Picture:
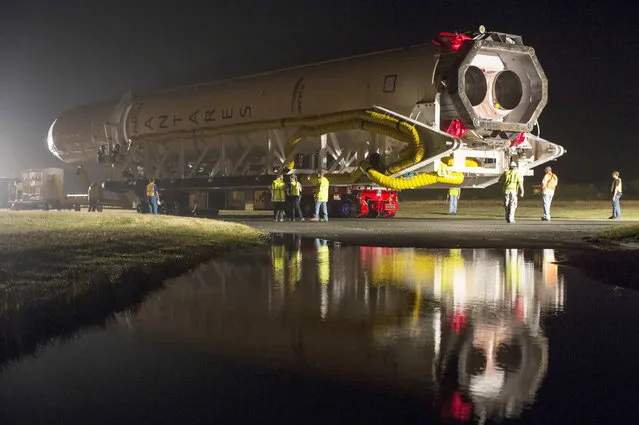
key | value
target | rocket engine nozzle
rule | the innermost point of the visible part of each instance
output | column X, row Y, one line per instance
column 497, row 85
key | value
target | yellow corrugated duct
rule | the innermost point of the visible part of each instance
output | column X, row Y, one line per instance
column 470, row 162
column 418, row 180
column 376, row 123
column 369, row 121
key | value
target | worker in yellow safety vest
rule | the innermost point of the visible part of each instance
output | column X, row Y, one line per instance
column 548, row 186
column 512, row 182
column 294, row 194
column 152, row 196
column 454, row 193
column 278, row 197
column 321, row 197
column 616, row 190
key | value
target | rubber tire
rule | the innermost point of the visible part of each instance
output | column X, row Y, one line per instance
column 346, row 209
column 372, row 213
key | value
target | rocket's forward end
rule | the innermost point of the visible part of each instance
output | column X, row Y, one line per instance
column 496, row 83
column 51, row 143
column 77, row 134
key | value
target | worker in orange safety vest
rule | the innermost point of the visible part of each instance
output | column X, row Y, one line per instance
column 153, row 196
column 548, row 186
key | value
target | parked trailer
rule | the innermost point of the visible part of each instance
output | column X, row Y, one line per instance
column 453, row 113
column 43, row 189
column 10, row 191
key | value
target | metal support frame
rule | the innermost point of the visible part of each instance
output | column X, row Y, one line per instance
column 323, row 163
column 261, row 153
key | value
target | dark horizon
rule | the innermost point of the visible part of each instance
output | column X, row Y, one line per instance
column 59, row 56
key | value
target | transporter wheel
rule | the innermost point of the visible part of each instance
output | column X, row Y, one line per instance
column 307, row 204
column 179, row 208
column 388, row 214
column 374, row 209
column 345, row 209
column 100, row 208
column 142, row 208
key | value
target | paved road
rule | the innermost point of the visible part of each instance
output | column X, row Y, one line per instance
column 443, row 233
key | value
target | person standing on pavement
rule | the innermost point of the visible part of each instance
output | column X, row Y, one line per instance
column 153, row 196
column 454, row 193
column 615, row 190
column 92, row 196
column 321, row 197
column 278, row 197
column 512, row 182
column 548, row 186
column 294, row 193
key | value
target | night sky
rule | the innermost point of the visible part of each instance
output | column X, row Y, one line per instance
column 55, row 55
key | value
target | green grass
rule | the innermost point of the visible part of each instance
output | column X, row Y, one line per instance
column 59, row 254
column 64, row 270
column 529, row 208
column 621, row 234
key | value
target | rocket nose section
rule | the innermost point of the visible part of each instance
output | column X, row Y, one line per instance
column 75, row 136
column 51, row 141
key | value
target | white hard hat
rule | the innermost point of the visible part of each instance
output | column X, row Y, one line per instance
column 512, row 164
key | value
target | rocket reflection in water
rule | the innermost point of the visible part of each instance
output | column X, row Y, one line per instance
column 490, row 354
column 486, row 324
column 461, row 324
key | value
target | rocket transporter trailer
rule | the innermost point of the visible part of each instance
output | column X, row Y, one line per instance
column 452, row 113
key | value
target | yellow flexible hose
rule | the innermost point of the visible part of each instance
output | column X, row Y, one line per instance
column 470, row 162
column 418, row 180
column 368, row 121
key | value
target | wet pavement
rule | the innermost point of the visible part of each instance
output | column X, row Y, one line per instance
column 313, row 331
column 445, row 232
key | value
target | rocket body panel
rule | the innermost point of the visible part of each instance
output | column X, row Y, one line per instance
column 396, row 80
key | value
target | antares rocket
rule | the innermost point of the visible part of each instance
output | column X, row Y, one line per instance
column 453, row 112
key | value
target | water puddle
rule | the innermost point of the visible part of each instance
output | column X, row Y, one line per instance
column 310, row 330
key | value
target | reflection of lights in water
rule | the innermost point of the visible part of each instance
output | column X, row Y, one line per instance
column 417, row 305
column 323, row 261
column 489, row 320
column 486, row 323
column 286, row 264
column 465, row 322
column 437, row 329
column 277, row 259
column 323, row 301
column 487, row 385
column 501, row 366
column 552, row 277
column 294, row 264
column 366, row 289
column 323, row 274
